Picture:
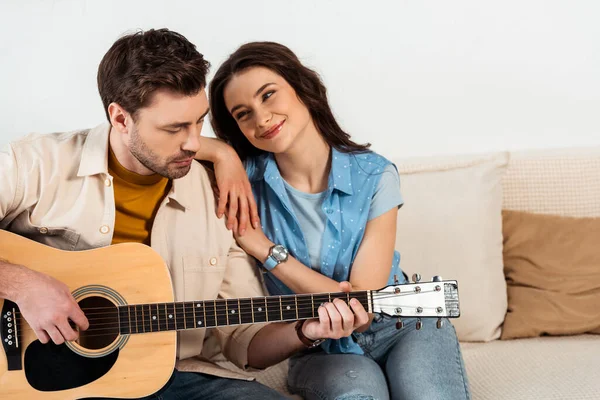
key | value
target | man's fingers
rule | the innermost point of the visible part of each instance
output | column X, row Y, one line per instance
column 66, row 331
column 42, row 336
column 55, row 335
column 80, row 319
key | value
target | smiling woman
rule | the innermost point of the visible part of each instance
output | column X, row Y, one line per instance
column 328, row 208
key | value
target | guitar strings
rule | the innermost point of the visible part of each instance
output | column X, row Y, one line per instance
column 189, row 312
column 115, row 329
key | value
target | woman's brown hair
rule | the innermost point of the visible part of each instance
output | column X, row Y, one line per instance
column 306, row 83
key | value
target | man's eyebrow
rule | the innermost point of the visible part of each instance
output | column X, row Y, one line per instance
column 175, row 125
column 260, row 89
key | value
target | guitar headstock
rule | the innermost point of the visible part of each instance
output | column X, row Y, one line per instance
column 435, row 299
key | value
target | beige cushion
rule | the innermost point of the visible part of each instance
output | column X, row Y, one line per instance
column 552, row 268
column 450, row 225
column 560, row 182
column 548, row 368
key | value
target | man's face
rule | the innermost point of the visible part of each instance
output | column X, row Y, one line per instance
column 165, row 137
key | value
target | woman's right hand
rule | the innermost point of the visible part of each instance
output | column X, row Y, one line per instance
column 236, row 200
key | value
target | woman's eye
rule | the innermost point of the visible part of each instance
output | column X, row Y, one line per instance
column 241, row 115
column 268, row 95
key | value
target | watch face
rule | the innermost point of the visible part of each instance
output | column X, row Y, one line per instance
column 280, row 253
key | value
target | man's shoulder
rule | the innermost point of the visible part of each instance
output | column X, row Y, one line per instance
column 38, row 145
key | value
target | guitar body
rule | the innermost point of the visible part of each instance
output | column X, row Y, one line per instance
column 112, row 365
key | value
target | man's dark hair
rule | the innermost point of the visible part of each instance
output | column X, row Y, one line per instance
column 141, row 63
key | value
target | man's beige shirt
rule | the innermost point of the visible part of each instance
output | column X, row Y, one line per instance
column 56, row 190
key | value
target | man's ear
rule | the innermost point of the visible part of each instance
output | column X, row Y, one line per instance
column 119, row 118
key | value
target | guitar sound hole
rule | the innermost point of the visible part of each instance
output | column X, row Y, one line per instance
column 103, row 317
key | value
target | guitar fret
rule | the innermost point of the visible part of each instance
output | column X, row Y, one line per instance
column 162, row 317
column 305, row 307
column 189, row 315
column 296, row 301
column 274, row 312
column 179, row 316
column 155, row 326
column 129, row 315
column 146, row 317
column 210, row 314
column 170, row 312
column 233, row 311
column 259, row 311
column 289, row 310
column 246, row 311
column 194, row 313
column 138, row 318
column 221, row 312
column 199, row 315
column 124, row 326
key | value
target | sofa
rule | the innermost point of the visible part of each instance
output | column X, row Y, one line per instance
column 451, row 225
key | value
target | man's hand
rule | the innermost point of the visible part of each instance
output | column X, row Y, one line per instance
column 47, row 305
column 235, row 192
column 337, row 319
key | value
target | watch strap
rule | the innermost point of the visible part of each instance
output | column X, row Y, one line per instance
column 306, row 341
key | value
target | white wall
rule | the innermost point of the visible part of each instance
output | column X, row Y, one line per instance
column 412, row 77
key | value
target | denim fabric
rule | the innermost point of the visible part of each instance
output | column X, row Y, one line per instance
column 353, row 181
column 197, row 386
column 405, row 364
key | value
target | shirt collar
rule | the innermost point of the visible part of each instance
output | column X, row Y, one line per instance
column 94, row 160
column 94, row 156
column 340, row 176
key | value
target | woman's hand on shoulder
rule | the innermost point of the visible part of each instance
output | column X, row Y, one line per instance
column 235, row 198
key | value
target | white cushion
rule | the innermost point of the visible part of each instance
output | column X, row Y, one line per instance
column 549, row 368
column 559, row 181
column 451, row 225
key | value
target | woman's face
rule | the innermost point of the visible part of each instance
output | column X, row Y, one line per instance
column 267, row 109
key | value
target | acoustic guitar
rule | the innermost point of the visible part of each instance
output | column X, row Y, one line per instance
column 129, row 349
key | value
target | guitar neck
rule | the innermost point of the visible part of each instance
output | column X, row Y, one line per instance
column 158, row 317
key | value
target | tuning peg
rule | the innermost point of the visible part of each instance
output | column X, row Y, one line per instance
column 436, row 278
column 439, row 323
column 399, row 324
column 416, row 278
column 419, row 324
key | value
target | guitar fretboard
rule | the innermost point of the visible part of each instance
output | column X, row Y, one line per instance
column 157, row 317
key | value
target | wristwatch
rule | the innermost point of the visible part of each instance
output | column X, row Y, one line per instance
column 277, row 255
column 311, row 344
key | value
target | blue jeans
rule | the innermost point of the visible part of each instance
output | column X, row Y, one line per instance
column 196, row 386
column 405, row 364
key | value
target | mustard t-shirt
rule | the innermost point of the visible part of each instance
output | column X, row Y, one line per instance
column 137, row 198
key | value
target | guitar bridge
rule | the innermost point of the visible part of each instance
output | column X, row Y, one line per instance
column 10, row 336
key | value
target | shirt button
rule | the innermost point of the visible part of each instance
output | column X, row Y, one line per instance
column 43, row 230
column 213, row 261
column 104, row 229
column 329, row 211
column 107, row 182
